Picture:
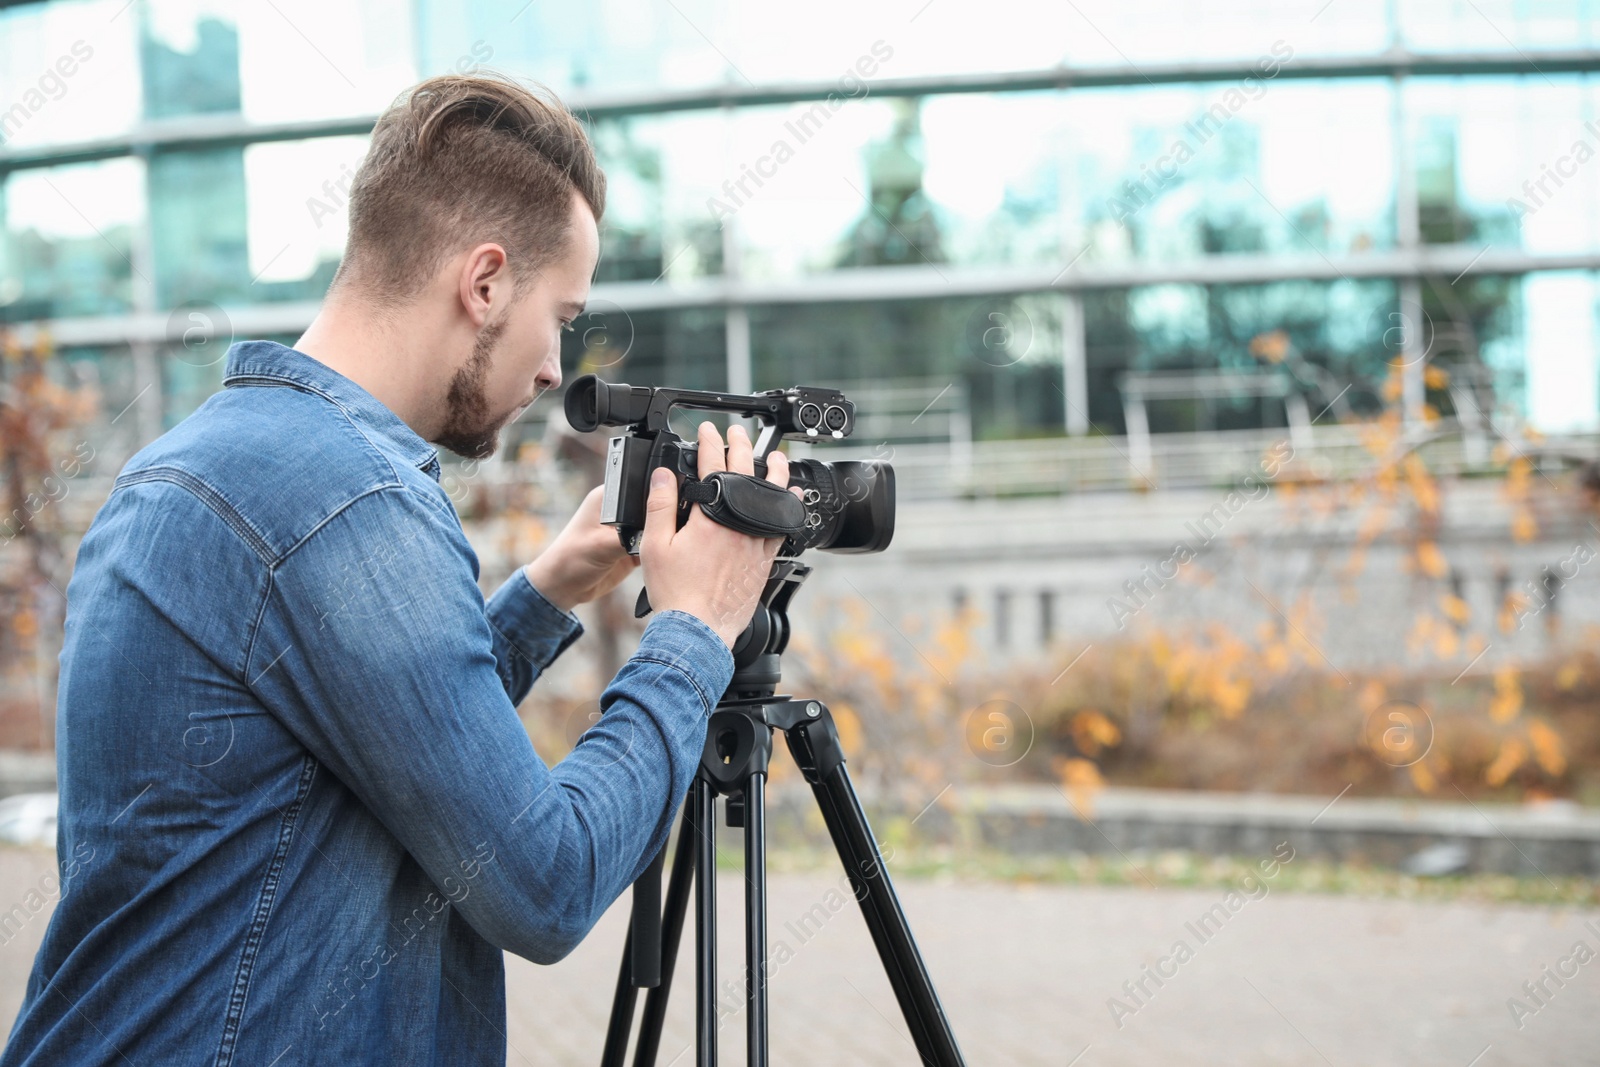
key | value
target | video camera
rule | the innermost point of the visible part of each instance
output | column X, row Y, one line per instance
column 845, row 507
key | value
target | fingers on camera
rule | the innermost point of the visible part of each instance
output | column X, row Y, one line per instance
column 710, row 442
column 741, row 454
column 777, row 468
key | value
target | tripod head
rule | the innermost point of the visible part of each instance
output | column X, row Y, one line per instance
column 756, row 653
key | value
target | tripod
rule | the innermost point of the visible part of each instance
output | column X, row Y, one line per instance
column 737, row 752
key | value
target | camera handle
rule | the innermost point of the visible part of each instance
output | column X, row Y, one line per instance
column 740, row 502
column 746, row 503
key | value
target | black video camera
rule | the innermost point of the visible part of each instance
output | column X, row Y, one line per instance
column 848, row 506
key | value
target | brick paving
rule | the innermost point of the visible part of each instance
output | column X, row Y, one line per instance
column 1026, row 973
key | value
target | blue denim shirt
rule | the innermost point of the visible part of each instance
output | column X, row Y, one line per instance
column 300, row 818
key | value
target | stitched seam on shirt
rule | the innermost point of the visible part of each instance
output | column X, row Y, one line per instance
column 446, row 510
column 206, row 495
column 305, row 387
column 509, row 683
column 673, row 665
column 258, row 925
column 255, row 629
column 334, row 514
column 507, row 671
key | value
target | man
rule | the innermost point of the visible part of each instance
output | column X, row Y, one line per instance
column 300, row 819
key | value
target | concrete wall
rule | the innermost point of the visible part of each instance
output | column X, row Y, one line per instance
column 1081, row 551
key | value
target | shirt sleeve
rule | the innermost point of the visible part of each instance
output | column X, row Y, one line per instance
column 529, row 633
column 385, row 663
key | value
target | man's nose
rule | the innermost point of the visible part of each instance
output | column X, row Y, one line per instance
column 550, row 375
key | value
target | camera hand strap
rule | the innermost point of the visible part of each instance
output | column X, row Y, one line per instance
column 741, row 502
column 746, row 503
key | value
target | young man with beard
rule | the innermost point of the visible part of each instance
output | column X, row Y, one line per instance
column 303, row 817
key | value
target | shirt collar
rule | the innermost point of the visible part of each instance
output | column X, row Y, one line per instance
column 270, row 363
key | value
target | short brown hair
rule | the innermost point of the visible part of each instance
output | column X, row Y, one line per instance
column 461, row 159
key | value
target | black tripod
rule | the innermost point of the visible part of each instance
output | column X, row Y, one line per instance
column 738, row 749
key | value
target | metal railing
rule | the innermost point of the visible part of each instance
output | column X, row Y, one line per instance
column 1050, row 466
column 986, row 470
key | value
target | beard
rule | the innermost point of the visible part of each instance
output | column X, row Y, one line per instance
column 469, row 430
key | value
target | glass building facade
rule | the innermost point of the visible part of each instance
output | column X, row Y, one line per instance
column 1004, row 218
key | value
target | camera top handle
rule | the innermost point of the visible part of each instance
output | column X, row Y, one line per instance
column 804, row 411
column 592, row 403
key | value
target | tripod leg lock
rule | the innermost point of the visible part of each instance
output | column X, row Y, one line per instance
column 814, row 744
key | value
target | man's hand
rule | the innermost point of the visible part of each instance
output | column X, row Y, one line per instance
column 710, row 571
column 585, row 560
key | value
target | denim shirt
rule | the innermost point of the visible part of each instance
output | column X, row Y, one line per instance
column 300, row 819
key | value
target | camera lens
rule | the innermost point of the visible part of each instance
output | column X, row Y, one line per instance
column 810, row 416
column 834, row 417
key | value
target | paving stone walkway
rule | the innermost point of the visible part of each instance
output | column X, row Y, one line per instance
column 1027, row 972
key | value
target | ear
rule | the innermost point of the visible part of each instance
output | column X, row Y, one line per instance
column 485, row 281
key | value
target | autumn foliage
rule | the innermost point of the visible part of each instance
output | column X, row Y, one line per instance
column 1209, row 706
column 43, row 449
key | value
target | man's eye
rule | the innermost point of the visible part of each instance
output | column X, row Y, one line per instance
column 567, row 327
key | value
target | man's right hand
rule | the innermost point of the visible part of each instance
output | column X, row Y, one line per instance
column 710, row 571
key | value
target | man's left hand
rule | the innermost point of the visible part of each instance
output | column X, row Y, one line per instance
column 584, row 562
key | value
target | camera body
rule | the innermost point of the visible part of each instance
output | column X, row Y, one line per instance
column 849, row 505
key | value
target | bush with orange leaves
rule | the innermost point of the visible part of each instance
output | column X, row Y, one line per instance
column 39, row 421
column 915, row 708
column 1206, row 707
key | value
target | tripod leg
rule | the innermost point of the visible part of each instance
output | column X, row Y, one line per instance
column 644, row 953
column 641, row 960
column 655, row 1001
column 755, row 920
column 891, row 933
column 705, row 916
column 622, row 1005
